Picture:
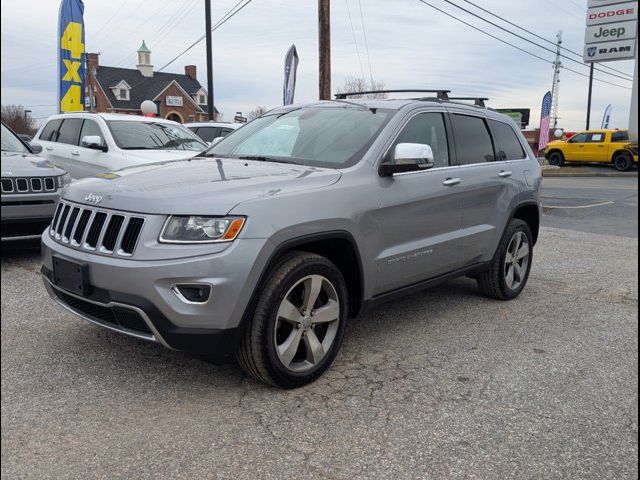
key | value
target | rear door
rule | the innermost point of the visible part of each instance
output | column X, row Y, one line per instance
column 419, row 216
column 595, row 148
column 48, row 137
column 66, row 143
column 488, row 181
column 89, row 161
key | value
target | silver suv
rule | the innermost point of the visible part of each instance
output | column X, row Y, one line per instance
column 262, row 248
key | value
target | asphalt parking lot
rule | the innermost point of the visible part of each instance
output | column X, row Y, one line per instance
column 442, row 384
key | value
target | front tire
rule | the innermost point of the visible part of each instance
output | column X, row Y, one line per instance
column 509, row 270
column 298, row 323
column 556, row 159
column 623, row 162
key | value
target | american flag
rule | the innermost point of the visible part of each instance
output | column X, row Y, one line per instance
column 545, row 120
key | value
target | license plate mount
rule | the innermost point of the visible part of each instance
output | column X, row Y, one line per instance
column 71, row 276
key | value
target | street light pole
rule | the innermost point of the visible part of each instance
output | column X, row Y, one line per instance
column 589, row 96
column 210, row 105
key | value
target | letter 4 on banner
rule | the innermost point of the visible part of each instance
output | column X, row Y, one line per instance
column 71, row 56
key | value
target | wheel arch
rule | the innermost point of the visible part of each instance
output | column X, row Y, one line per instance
column 530, row 213
column 554, row 150
column 619, row 151
column 338, row 246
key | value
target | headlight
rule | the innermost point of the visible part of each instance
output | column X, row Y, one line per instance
column 64, row 180
column 192, row 229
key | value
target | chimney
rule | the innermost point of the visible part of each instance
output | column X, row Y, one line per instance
column 190, row 71
column 93, row 62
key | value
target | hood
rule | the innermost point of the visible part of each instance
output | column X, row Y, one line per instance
column 15, row 164
column 154, row 156
column 201, row 186
column 556, row 142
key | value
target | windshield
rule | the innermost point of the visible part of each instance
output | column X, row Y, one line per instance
column 11, row 143
column 130, row 135
column 317, row 136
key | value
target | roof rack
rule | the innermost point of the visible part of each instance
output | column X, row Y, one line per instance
column 441, row 94
column 477, row 101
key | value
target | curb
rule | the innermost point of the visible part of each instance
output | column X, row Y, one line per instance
column 551, row 173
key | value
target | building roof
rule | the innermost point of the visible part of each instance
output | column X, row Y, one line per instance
column 142, row 88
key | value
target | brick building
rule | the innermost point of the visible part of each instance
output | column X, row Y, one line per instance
column 179, row 97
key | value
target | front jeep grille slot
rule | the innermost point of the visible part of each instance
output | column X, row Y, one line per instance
column 62, row 221
column 82, row 225
column 70, row 224
column 28, row 185
column 112, row 232
column 91, row 228
column 95, row 229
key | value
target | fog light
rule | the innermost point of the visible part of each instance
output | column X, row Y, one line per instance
column 192, row 292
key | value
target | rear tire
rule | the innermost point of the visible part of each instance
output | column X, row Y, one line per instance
column 298, row 323
column 556, row 159
column 623, row 161
column 509, row 270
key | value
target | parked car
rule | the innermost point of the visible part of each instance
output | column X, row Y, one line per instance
column 30, row 189
column 263, row 247
column 85, row 144
column 594, row 146
column 209, row 131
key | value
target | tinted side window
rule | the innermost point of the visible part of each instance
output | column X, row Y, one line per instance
column 579, row 138
column 69, row 131
column 225, row 131
column 508, row 146
column 91, row 129
column 426, row 128
column 208, row 133
column 50, row 131
column 473, row 142
column 620, row 136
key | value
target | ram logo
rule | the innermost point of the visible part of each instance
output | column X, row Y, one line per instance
column 591, row 51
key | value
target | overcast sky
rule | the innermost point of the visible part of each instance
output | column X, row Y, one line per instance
column 410, row 45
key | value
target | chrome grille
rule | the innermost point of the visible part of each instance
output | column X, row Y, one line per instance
column 28, row 185
column 90, row 228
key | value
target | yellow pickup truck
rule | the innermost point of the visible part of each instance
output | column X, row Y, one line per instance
column 602, row 146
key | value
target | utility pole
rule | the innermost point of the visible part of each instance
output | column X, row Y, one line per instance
column 589, row 96
column 210, row 106
column 324, row 44
column 557, row 64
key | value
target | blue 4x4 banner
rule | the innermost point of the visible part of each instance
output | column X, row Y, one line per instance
column 71, row 56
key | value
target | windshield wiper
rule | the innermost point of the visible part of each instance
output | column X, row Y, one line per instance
column 262, row 159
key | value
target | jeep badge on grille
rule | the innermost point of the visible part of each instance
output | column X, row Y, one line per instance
column 92, row 198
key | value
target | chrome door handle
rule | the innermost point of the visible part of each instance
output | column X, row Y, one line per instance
column 48, row 148
column 450, row 182
column 505, row 174
column 75, row 154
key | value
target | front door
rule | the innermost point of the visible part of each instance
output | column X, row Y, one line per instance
column 419, row 214
column 575, row 147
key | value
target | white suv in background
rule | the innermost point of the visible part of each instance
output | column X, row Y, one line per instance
column 85, row 144
column 209, row 131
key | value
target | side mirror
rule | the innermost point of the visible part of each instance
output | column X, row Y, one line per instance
column 215, row 140
column 35, row 148
column 408, row 157
column 94, row 142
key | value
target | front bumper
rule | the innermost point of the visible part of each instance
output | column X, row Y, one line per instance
column 26, row 215
column 122, row 288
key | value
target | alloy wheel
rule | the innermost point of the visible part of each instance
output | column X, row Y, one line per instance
column 306, row 323
column 516, row 261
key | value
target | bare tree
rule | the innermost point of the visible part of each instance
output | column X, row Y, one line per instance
column 358, row 84
column 257, row 112
column 19, row 119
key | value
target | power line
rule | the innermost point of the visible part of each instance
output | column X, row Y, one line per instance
column 355, row 40
column 230, row 14
column 366, row 45
column 515, row 46
column 526, row 39
column 539, row 36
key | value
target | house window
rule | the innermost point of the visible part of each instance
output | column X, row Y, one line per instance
column 202, row 99
column 123, row 94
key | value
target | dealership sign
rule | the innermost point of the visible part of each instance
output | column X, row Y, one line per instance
column 612, row 13
column 173, row 101
column 611, row 32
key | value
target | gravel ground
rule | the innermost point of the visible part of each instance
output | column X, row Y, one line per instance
column 442, row 384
